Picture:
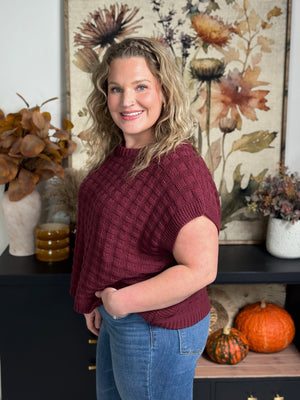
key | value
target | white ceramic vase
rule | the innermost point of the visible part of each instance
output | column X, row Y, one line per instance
column 21, row 217
column 283, row 238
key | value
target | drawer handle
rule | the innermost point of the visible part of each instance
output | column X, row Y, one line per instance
column 278, row 397
column 92, row 341
column 92, row 367
column 252, row 398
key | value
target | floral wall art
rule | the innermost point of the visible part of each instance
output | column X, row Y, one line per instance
column 233, row 55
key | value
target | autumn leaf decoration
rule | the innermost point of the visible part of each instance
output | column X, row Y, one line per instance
column 29, row 153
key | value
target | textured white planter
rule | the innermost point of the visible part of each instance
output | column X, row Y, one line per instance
column 283, row 238
column 21, row 217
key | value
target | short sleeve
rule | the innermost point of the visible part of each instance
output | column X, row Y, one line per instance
column 191, row 193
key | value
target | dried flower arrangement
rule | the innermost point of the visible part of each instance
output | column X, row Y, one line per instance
column 62, row 193
column 29, row 153
column 278, row 196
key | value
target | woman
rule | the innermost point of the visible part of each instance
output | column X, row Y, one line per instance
column 148, row 222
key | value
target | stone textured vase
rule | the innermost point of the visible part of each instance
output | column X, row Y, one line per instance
column 283, row 238
column 21, row 217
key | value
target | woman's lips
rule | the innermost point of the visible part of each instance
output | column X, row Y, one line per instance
column 128, row 116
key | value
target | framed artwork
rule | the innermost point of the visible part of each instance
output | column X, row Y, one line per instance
column 233, row 55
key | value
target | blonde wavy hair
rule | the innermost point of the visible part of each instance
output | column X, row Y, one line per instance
column 175, row 124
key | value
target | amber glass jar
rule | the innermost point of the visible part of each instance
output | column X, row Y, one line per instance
column 52, row 241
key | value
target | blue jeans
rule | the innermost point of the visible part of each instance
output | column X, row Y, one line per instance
column 138, row 361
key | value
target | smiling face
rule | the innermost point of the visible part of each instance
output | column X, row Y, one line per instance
column 134, row 100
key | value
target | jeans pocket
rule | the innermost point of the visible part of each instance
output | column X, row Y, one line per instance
column 193, row 339
column 106, row 314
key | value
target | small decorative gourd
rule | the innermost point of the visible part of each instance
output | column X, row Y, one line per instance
column 227, row 346
column 267, row 327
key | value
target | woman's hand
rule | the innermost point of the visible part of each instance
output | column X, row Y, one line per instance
column 93, row 321
column 110, row 303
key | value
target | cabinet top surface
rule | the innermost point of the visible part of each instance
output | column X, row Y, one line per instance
column 237, row 264
column 255, row 365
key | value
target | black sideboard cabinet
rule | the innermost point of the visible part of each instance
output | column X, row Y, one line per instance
column 47, row 352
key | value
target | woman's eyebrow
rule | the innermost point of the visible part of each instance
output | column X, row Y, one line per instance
column 134, row 82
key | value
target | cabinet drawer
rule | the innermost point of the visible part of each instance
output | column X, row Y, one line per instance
column 262, row 389
column 44, row 345
column 202, row 390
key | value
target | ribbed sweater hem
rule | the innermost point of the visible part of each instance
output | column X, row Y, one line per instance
column 179, row 316
column 184, row 322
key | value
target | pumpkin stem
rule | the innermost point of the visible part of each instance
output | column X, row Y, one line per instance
column 226, row 331
column 263, row 303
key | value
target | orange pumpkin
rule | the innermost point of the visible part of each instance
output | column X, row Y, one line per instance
column 227, row 346
column 267, row 326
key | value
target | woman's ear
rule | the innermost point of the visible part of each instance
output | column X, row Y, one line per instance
column 163, row 101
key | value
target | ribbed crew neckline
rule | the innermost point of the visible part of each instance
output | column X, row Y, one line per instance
column 126, row 152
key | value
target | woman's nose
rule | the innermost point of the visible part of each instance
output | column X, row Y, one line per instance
column 128, row 98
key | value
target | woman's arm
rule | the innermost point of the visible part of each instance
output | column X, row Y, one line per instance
column 196, row 252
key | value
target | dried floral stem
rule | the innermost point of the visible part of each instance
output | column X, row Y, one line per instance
column 47, row 101
column 27, row 105
column 208, row 105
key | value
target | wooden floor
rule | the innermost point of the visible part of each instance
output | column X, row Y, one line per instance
column 283, row 363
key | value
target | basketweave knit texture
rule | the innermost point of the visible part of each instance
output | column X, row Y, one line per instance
column 127, row 227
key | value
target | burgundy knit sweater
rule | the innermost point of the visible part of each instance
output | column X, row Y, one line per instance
column 127, row 227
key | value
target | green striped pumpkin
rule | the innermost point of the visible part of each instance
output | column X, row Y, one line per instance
column 227, row 346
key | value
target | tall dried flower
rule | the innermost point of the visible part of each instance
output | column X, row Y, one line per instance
column 104, row 26
column 86, row 59
column 236, row 95
column 212, row 30
column 227, row 124
column 207, row 69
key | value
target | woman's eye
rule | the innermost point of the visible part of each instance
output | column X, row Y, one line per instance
column 115, row 90
column 141, row 88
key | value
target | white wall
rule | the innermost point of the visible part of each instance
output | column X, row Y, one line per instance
column 32, row 64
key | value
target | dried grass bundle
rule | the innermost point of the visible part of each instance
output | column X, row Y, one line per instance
column 61, row 193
